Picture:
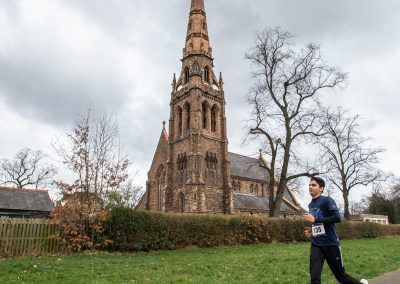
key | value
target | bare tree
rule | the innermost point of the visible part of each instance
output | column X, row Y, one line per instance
column 285, row 103
column 94, row 154
column 350, row 155
column 28, row 168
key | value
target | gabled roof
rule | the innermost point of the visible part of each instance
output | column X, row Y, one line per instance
column 161, row 153
column 248, row 202
column 246, row 167
column 25, row 199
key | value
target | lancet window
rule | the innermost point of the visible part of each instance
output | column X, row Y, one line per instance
column 187, row 110
column 211, row 161
column 214, row 119
column 187, row 75
column 181, row 201
column 160, row 187
column 182, row 162
column 207, row 74
column 179, row 117
column 204, row 114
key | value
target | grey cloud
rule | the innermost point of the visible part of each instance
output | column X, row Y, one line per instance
column 50, row 92
column 51, row 83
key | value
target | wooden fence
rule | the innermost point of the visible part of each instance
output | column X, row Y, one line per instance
column 22, row 237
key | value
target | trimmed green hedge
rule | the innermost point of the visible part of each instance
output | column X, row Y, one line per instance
column 131, row 230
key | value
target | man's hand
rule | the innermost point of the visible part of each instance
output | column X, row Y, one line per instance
column 307, row 232
column 310, row 218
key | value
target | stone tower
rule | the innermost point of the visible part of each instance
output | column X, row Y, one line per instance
column 196, row 174
column 191, row 169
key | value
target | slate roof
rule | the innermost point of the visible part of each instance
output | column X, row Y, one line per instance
column 249, row 201
column 254, row 202
column 246, row 167
column 25, row 199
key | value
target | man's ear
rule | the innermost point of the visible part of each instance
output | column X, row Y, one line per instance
column 322, row 189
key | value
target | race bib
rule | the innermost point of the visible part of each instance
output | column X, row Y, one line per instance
column 318, row 230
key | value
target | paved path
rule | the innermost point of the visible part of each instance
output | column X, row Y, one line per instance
column 388, row 278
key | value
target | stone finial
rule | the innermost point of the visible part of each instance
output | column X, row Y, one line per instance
column 197, row 5
column 174, row 82
column 221, row 81
column 163, row 123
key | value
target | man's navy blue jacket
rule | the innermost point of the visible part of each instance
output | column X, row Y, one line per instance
column 325, row 211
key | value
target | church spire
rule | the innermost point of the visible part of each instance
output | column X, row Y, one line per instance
column 197, row 40
column 197, row 5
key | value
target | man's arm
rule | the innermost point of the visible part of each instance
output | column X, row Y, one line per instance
column 334, row 215
column 334, row 218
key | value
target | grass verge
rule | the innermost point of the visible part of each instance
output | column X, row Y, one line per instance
column 273, row 263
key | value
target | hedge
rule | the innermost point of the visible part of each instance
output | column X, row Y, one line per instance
column 131, row 230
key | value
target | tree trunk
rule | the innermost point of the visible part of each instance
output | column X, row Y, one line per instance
column 279, row 199
column 346, row 205
column 271, row 196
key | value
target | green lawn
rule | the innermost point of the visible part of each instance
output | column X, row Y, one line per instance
column 274, row 263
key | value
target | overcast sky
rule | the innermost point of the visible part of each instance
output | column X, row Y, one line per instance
column 60, row 57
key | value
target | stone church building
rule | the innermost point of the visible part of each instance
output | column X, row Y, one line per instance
column 192, row 170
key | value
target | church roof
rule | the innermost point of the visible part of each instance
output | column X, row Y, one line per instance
column 246, row 167
column 249, row 202
column 25, row 199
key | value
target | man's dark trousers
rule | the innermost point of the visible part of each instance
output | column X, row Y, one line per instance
column 333, row 257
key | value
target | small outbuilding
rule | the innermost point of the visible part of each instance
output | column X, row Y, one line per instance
column 379, row 219
column 24, row 203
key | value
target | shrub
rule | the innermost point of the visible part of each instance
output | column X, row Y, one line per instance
column 358, row 230
column 131, row 230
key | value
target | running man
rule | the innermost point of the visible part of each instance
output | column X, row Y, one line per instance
column 324, row 240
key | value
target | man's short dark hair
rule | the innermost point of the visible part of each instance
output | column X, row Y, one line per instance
column 320, row 181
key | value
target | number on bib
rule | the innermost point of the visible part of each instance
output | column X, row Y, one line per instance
column 318, row 230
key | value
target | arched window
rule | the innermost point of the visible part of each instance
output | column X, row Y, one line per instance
column 251, row 188
column 239, row 186
column 182, row 161
column 181, row 203
column 190, row 25
column 204, row 25
column 179, row 117
column 214, row 119
column 207, row 75
column 256, row 190
column 179, row 162
column 214, row 162
column 204, row 108
column 187, row 109
column 234, row 185
column 160, row 187
column 187, row 75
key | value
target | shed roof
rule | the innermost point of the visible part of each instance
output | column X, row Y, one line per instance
column 246, row 167
column 25, row 199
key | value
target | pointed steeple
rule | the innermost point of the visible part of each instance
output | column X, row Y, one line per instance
column 197, row 40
